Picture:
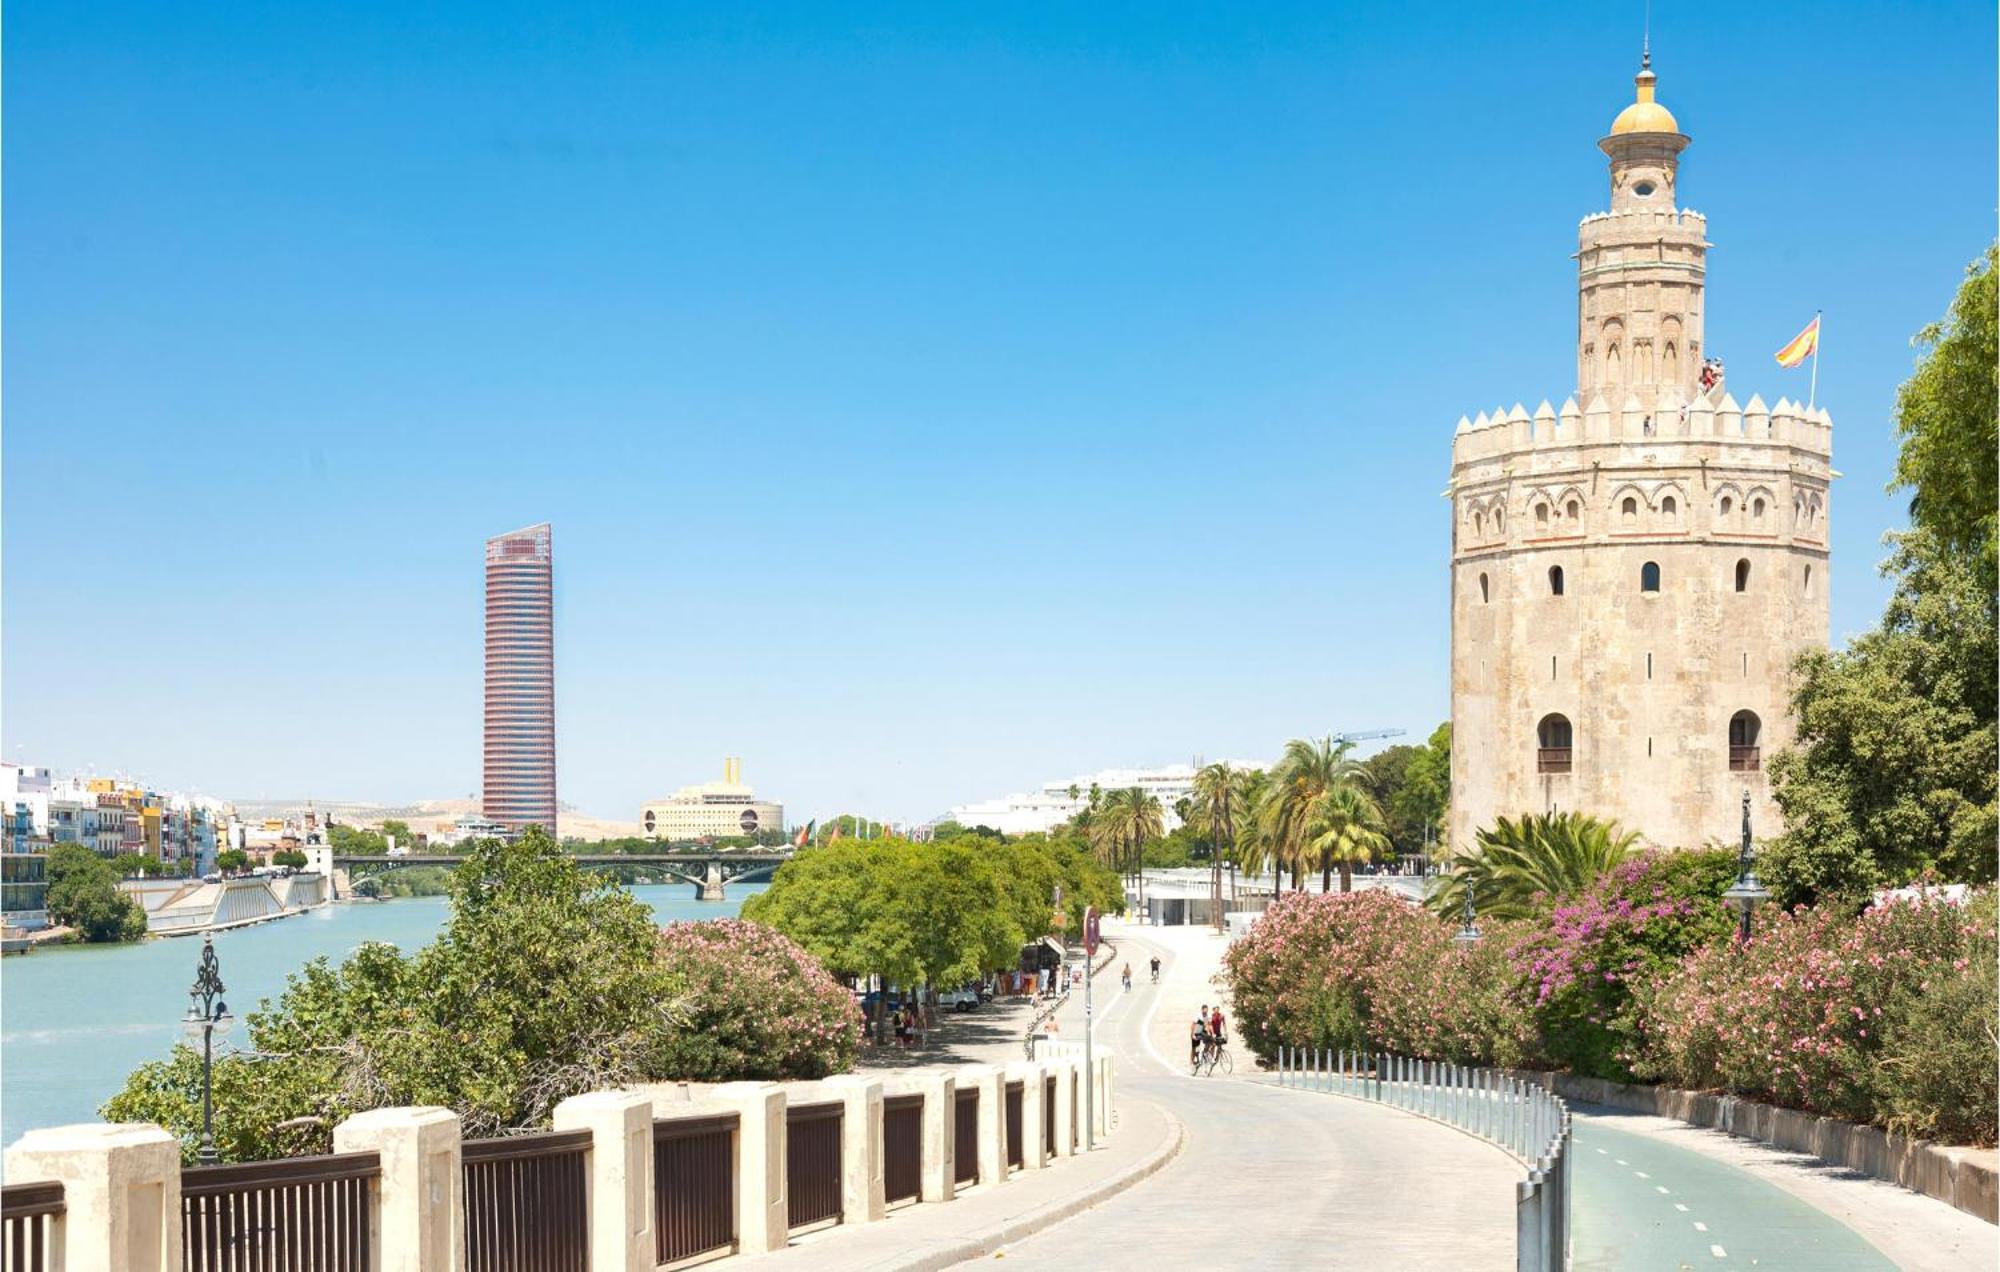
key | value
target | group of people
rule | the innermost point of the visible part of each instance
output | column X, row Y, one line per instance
column 1127, row 977
column 1208, row 1033
column 909, row 1026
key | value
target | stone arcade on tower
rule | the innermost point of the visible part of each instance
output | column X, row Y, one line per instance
column 1632, row 577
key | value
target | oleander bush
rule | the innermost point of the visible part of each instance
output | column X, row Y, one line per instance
column 1885, row 1017
column 755, row 1005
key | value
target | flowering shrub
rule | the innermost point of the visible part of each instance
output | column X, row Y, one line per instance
column 1305, row 974
column 1631, row 927
column 756, row 1006
column 1885, row 1016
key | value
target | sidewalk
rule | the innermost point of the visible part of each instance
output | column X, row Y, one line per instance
column 919, row 1237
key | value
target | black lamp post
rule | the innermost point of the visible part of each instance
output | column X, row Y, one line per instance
column 1747, row 891
column 206, row 1012
column 1469, row 934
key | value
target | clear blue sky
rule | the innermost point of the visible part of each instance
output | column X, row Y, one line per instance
column 929, row 399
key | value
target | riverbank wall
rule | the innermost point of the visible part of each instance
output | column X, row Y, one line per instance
column 186, row 907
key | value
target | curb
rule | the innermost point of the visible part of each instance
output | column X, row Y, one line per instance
column 978, row 1247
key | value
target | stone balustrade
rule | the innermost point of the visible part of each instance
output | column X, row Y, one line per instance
column 672, row 1173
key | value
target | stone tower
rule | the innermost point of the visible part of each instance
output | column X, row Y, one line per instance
column 1632, row 577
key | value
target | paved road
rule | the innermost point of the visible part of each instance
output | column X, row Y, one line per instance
column 1273, row 1178
column 1644, row 1204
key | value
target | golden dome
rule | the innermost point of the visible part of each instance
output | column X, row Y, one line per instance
column 1645, row 115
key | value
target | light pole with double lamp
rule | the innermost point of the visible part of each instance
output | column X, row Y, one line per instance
column 206, row 1013
column 1747, row 891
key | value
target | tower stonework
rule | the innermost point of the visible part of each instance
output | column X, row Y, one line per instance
column 1632, row 577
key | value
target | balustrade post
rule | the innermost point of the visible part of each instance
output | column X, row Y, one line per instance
column 121, row 1192
column 618, row 1176
column 763, row 1214
column 1066, row 1137
column 863, row 1185
column 1034, row 1089
column 420, row 1196
column 992, row 1119
column 937, row 1173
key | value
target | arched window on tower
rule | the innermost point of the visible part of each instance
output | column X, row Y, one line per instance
column 1611, row 364
column 1743, row 575
column 1723, row 507
column 1673, row 366
column 1574, row 511
column 1670, row 508
column 1553, row 744
column 1808, row 581
column 1628, row 512
column 1541, row 515
column 1555, row 580
column 1744, row 733
column 1649, row 577
column 1478, row 523
column 1485, row 590
column 1757, row 511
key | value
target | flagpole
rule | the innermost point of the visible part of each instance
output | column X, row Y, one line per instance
column 1819, row 334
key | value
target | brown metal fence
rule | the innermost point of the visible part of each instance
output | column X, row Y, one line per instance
column 812, row 1163
column 1049, row 1116
column 525, row 1208
column 1014, row 1141
column 965, row 1137
column 295, row 1214
column 902, row 1148
column 29, row 1214
column 694, row 1186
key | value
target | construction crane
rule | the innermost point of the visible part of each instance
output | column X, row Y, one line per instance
column 1368, row 735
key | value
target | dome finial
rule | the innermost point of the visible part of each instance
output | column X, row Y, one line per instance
column 1646, row 40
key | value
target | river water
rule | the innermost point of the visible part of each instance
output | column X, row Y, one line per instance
column 74, row 1020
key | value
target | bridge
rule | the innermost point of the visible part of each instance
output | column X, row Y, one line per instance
column 706, row 872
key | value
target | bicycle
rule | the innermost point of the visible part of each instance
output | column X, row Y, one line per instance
column 1214, row 1057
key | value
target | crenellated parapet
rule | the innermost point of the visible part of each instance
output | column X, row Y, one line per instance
column 1504, row 432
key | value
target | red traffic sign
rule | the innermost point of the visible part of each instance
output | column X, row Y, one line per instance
column 1090, row 930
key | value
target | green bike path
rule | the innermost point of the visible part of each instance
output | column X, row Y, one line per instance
column 1641, row 1203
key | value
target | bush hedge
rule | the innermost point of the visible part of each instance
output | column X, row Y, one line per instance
column 755, row 1004
column 1883, row 1016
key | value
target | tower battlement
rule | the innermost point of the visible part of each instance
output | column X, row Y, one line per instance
column 1505, row 432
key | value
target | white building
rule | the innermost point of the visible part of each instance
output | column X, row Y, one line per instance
column 1058, row 801
column 712, row 810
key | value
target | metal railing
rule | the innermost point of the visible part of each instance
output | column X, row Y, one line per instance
column 1015, row 1145
column 965, row 1137
column 694, row 1186
column 1552, row 759
column 1522, row 1118
column 902, row 1148
column 31, row 1217
column 525, row 1203
column 294, row 1214
column 1745, row 759
column 812, row 1163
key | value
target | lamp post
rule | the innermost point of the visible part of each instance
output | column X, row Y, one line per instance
column 1469, row 934
column 1747, row 891
column 207, row 1011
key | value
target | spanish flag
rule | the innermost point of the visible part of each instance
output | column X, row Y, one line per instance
column 1803, row 346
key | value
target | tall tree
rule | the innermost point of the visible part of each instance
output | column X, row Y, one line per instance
column 1343, row 828
column 1215, row 804
column 1303, row 777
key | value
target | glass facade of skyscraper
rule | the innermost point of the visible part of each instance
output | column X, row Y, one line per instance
column 519, row 784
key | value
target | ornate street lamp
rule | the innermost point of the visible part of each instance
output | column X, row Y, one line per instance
column 1747, row 891
column 206, row 1013
column 1469, row 934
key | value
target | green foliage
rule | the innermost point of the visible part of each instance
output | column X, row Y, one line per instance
column 543, row 984
column 232, row 859
column 352, row 841
column 289, row 857
column 131, row 865
column 1425, row 796
column 1946, row 415
column 1317, row 811
column 400, row 831
column 1121, row 823
column 83, row 894
column 939, row 913
column 1892, row 770
column 1519, row 868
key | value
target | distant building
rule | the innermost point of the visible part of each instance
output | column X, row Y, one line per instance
column 1045, row 809
column 712, row 810
column 518, row 786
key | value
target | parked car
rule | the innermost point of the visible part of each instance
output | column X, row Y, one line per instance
column 964, row 998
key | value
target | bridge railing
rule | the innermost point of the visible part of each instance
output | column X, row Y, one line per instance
column 31, row 1223
column 1523, row 1118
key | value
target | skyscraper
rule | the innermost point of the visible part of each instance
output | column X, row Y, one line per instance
column 519, row 783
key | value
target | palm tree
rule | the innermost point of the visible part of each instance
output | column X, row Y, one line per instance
column 1217, row 800
column 1515, row 863
column 1122, row 824
column 1304, row 776
column 1345, row 826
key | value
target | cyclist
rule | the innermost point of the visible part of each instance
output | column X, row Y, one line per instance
column 1198, row 1036
column 1218, row 1033
column 1128, row 978
column 1156, row 969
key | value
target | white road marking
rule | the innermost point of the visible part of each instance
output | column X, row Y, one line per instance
column 1602, row 1153
column 1718, row 1252
column 1658, row 1189
column 1621, row 1161
column 1699, row 1226
column 1678, row 1206
column 1642, row 1174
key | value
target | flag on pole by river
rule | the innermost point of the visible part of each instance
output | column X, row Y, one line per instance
column 1803, row 345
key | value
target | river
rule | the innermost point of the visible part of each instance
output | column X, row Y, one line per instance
column 74, row 1020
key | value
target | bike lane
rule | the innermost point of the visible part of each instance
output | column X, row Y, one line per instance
column 1641, row 1203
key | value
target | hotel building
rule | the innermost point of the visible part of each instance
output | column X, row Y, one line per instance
column 518, row 784
column 712, row 810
